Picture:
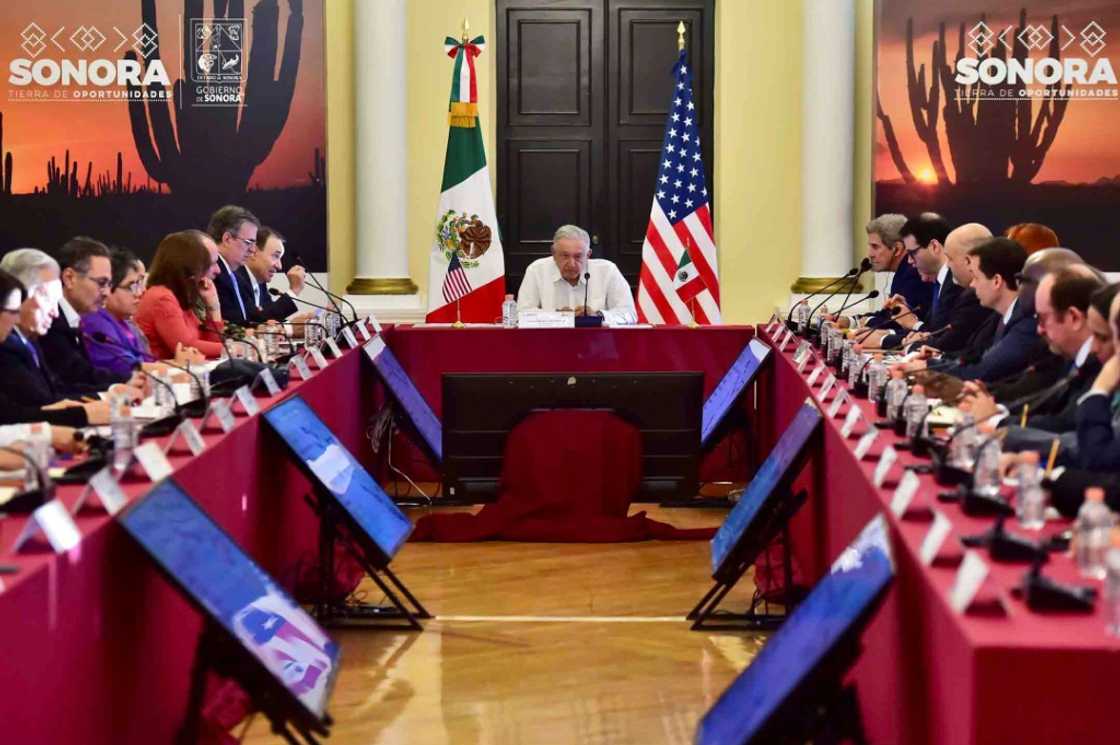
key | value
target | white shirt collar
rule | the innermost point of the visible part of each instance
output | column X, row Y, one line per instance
column 942, row 274
column 1083, row 353
column 1009, row 311
column 225, row 263
column 69, row 313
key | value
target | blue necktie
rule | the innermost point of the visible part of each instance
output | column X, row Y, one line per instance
column 237, row 292
column 30, row 348
column 936, row 299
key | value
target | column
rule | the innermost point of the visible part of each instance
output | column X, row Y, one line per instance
column 827, row 144
column 381, row 149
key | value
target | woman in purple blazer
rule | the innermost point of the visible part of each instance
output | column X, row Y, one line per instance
column 127, row 349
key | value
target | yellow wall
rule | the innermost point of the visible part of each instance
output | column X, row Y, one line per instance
column 757, row 138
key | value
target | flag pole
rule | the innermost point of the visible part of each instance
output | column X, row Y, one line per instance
column 680, row 36
column 458, row 316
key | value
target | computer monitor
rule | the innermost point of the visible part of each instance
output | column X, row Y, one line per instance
column 374, row 519
column 481, row 409
column 740, row 375
column 772, row 701
column 238, row 597
column 407, row 396
column 759, row 514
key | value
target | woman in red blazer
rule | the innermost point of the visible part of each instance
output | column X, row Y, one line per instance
column 181, row 303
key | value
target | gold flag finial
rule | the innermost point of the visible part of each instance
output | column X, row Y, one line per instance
column 466, row 30
column 680, row 36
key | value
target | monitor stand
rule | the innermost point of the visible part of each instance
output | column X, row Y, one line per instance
column 706, row 616
column 217, row 653
column 396, row 615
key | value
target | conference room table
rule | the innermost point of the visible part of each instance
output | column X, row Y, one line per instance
column 1000, row 673
column 97, row 646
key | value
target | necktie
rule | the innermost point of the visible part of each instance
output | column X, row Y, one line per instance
column 256, row 294
column 936, row 299
column 30, row 348
column 237, row 292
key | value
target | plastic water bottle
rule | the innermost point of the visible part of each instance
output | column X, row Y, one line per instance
column 896, row 392
column 800, row 315
column 986, row 477
column 916, row 409
column 1030, row 504
column 40, row 451
column 1112, row 583
column 856, row 366
column 509, row 312
column 162, row 394
column 962, row 446
column 876, row 379
column 123, row 431
column 845, row 358
column 1091, row 533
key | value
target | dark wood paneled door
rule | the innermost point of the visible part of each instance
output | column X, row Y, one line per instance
column 584, row 88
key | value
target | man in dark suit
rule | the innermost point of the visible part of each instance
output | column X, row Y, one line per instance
column 996, row 264
column 258, row 271
column 29, row 383
column 1098, row 411
column 234, row 229
column 87, row 276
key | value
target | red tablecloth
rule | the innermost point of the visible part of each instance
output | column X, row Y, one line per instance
column 567, row 476
column 929, row 675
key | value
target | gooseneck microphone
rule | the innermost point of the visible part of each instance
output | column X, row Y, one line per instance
column 789, row 316
column 328, row 309
column 193, row 409
column 863, row 267
column 895, row 317
column 869, row 296
column 330, row 295
column 30, row 499
column 586, row 289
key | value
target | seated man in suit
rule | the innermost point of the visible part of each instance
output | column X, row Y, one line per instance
column 234, row 230
column 925, row 238
column 1062, row 306
column 31, row 392
column 87, row 278
column 996, row 265
column 259, row 269
column 559, row 281
column 1098, row 411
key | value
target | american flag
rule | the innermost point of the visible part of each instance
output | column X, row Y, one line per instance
column 679, row 279
column 455, row 284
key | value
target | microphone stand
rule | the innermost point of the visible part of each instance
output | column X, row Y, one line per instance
column 789, row 316
column 30, row 499
column 194, row 409
column 863, row 267
column 587, row 321
column 871, row 329
column 330, row 295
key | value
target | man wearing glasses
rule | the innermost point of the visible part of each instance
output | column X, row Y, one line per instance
column 234, row 229
column 87, row 279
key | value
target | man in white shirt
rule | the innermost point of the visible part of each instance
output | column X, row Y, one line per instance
column 570, row 280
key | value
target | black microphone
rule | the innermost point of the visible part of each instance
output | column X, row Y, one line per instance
column 164, row 425
column 283, row 333
column 250, row 345
column 789, row 316
column 586, row 289
column 871, row 328
column 330, row 295
column 1038, row 398
column 869, row 296
column 863, row 267
column 193, row 409
column 29, row 499
column 334, row 310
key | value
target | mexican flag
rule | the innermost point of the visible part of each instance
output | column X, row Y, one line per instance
column 466, row 275
column 686, row 279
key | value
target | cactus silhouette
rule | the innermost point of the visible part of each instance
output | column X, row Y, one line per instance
column 318, row 169
column 211, row 150
column 6, row 173
column 991, row 139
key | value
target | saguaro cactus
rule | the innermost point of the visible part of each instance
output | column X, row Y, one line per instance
column 214, row 150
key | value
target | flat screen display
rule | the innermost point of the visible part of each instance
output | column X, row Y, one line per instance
column 407, row 395
column 236, row 593
column 733, row 383
column 762, row 486
column 332, row 465
column 839, row 605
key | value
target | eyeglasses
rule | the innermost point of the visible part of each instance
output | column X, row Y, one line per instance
column 136, row 288
column 101, row 282
column 247, row 242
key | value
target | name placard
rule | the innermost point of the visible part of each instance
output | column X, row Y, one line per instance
column 55, row 523
column 545, row 319
column 813, row 376
column 935, row 538
column 349, row 338
column 850, row 421
column 302, row 370
column 244, row 396
column 827, row 387
column 335, row 350
column 863, row 447
column 153, row 461
column 904, row 493
column 269, row 381
column 970, row 576
column 837, row 403
column 886, row 460
column 317, row 357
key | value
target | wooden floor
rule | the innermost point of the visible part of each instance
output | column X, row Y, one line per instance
column 541, row 643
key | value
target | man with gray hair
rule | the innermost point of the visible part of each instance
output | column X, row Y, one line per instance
column 41, row 278
column 570, row 280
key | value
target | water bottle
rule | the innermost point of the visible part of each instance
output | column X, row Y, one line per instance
column 986, row 476
column 876, row 379
column 845, row 359
column 1112, row 583
column 833, row 350
column 162, row 393
column 40, row 451
column 856, row 365
column 200, row 382
column 916, row 409
column 800, row 315
column 1030, row 504
column 821, row 317
column 896, row 392
column 1091, row 533
column 962, row 444
column 509, row 312
column 122, row 428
